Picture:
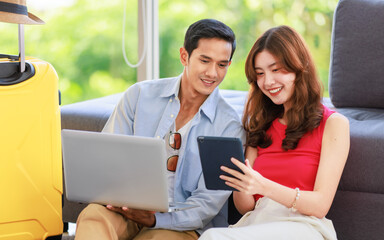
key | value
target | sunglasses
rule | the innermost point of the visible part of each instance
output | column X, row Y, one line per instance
column 174, row 142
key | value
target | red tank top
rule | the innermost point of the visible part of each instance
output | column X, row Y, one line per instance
column 292, row 168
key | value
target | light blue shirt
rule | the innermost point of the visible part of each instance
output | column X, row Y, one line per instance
column 149, row 108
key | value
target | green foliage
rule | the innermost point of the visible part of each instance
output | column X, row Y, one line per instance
column 249, row 19
column 83, row 41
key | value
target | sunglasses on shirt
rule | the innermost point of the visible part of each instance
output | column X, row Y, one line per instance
column 174, row 142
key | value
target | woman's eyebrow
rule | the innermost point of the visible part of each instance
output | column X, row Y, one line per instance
column 269, row 66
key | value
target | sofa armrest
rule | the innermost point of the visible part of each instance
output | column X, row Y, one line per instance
column 90, row 115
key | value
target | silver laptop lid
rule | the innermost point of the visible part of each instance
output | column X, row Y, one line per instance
column 115, row 169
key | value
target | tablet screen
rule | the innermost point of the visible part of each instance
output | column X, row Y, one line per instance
column 215, row 152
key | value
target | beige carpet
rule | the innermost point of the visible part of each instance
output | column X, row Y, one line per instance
column 70, row 234
column 67, row 237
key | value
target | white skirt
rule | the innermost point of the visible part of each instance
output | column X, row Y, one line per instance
column 272, row 220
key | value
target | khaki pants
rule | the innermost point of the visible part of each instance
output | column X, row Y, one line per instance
column 96, row 222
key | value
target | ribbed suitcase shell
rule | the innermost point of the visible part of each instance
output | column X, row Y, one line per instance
column 30, row 157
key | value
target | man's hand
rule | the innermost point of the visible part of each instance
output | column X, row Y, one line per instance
column 146, row 218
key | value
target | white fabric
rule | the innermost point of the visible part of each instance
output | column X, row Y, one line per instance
column 185, row 129
column 271, row 220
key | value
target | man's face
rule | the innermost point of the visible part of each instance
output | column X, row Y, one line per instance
column 206, row 67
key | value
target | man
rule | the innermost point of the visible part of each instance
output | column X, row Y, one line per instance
column 178, row 110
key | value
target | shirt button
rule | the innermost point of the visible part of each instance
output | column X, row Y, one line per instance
column 172, row 115
column 170, row 100
column 158, row 137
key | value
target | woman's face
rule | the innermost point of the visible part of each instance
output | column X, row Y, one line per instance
column 273, row 79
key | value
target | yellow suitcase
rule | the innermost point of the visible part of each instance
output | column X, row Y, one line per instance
column 30, row 152
column 30, row 141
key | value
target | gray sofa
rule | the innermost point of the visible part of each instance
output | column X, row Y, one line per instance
column 356, row 90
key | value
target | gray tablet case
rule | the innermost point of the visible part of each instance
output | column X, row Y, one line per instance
column 215, row 152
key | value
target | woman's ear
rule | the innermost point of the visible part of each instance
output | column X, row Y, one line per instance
column 183, row 56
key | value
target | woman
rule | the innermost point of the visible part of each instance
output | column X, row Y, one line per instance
column 296, row 147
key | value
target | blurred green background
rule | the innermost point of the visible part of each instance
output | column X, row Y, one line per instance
column 82, row 38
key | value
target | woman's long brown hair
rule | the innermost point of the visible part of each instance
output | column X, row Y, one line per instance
column 305, row 114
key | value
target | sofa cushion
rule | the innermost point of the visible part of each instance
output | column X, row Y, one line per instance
column 357, row 215
column 236, row 99
column 364, row 168
column 356, row 69
column 91, row 115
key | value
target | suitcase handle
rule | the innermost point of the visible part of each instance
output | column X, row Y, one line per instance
column 10, row 72
column 10, row 57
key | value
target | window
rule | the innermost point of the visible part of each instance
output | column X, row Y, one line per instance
column 82, row 38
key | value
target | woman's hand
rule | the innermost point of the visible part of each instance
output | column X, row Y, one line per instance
column 249, row 182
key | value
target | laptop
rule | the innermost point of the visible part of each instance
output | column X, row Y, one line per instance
column 119, row 170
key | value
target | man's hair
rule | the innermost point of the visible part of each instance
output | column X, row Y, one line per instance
column 207, row 29
column 289, row 48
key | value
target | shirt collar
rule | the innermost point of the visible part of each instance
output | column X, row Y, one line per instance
column 172, row 88
column 210, row 104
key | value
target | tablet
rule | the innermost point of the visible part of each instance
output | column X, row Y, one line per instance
column 215, row 152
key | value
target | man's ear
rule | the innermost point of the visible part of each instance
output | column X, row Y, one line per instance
column 183, row 56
